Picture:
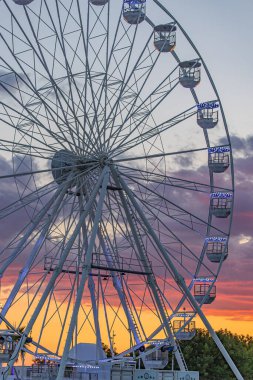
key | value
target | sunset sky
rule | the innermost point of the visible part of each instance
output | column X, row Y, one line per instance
column 222, row 30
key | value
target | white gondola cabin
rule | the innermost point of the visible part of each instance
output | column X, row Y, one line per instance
column 165, row 37
column 218, row 159
column 158, row 358
column 184, row 331
column 23, row 2
column 207, row 117
column 98, row 2
column 7, row 346
column 202, row 294
column 217, row 250
column 221, row 204
column 134, row 11
column 190, row 73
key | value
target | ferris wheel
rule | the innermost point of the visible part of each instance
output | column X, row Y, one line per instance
column 117, row 179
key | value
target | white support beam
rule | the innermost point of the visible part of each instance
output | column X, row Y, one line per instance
column 85, row 273
column 180, row 281
column 54, row 277
column 150, row 277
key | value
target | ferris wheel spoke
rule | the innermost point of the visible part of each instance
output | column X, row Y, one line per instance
column 70, row 77
column 32, row 301
column 88, row 80
column 147, row 65
column 108, row 75
column 28, row 83
column 27, row 199
column 33, row 119
column 161, row 180
column 149, row 104
column 69, row 66
column 128, row 50
column 70, row 298
column 55, row 87
column 193, row 219
column 169, row 237
column 31, row 173
column 111, row 260
column 56, row 201
column 58, row 197
column 43, row 322
column 16, row 151
column 41, row 58
column 123, row 93
column 25, row 148
column 143, row 303
column 110, row 57
column 159, row 155
column 189, row 254
column 153, row 132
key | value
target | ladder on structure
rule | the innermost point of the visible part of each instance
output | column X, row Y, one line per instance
column 158, row 290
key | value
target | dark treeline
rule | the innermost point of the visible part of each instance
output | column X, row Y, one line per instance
column 201, row 354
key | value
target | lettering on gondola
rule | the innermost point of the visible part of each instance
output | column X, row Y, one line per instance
column 221, row 195
column 184, row 315
column 216, row 239
column 204, row 279
column 219, row 149
column 211, row 105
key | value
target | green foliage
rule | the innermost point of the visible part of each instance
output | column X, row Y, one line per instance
column 201, row 354
column 107, row 350
column 16, row 339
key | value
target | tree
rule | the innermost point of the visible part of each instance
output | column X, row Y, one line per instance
column 16, row 338
column 202, row 354
column 107, row 350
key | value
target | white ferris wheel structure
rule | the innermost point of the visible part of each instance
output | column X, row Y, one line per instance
column 119, row 182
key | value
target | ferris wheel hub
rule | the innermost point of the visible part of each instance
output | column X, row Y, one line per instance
column 65, row 162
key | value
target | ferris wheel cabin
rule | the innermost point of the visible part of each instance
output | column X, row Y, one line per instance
column 98, row 2
column 203, row 294
column 134, row 11
column 216, row 251
column 156, row 358
column 165, row 37
column 218, row 162
column 221, row 206
column 207, row 118
column 184, row 331
column 190, row 73
column 7, row 346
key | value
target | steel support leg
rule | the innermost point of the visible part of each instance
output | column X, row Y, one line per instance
column 85, row 273
column 180, row 281
column 54, row 277
column 151, row 278
column 117, row 285
column 100, row 355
